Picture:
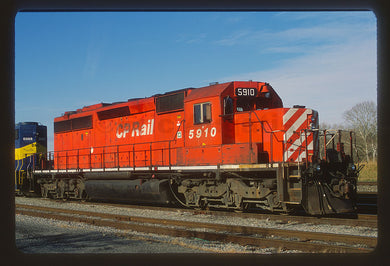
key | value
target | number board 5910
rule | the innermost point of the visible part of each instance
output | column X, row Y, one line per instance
column 246, row 92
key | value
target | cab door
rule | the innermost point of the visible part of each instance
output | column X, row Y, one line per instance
column 227, row 120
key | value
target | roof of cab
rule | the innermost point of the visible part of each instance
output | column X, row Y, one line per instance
column 208, row 91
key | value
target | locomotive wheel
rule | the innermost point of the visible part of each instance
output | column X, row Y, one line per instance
column 60, row 190
column 273, row 201
column 84, row 196
column 44, row 192
column 243, row 207
column 192, row 199
column 203, row 204
column 76, row 192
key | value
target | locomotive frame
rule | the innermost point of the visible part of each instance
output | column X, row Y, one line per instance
column 229, row 145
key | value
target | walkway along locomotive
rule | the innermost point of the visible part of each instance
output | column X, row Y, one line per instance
column 229, row 145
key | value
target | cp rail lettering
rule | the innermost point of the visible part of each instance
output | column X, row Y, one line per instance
column 136, row 129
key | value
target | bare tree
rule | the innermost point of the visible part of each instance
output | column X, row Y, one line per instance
column 362, row 118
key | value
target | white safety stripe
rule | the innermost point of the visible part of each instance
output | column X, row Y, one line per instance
column 291, row 148
column 289, row 152
column 162, row 168
column 245, row 166
column 289, row 114
column 298, row 143
column 111, row 169
column 301, row 156
column 195, row 167
column 297, row 124
column 310, row 146
column 126, row 168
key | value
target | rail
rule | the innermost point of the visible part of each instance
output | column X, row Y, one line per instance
column 243, row 235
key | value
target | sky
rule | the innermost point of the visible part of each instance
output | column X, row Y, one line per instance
column 325, row 61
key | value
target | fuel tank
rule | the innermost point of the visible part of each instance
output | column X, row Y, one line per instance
column 137, row 190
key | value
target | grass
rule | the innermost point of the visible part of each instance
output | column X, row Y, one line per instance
column 369, row 173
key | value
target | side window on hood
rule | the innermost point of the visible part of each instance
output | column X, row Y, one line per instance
column 202, row 113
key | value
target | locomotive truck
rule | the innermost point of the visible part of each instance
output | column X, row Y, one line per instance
column 231, row 145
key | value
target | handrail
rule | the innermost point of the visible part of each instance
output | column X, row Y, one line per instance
column 17, row 171
column 337, row 132
column 116, row 156
column 69, row 159
column 105, row 152
column 154, row 154
column 169, row 144
column 271, row 136
column 73, row 156
column 181, row 122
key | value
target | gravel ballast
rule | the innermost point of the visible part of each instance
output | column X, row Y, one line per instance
column 92, row 239
column 40, row 235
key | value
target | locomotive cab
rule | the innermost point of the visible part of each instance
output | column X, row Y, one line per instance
column 250, row 99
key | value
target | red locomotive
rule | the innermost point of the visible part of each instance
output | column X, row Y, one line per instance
column 230, row 145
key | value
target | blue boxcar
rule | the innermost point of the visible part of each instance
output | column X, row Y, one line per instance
column 30, row 146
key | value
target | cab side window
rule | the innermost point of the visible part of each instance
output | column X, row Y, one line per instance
column 228, row 105
column 202, row 113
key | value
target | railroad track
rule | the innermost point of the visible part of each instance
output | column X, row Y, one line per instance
column 243, row 235
column 366, row 183
column 367, row 202
column 367, row 220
